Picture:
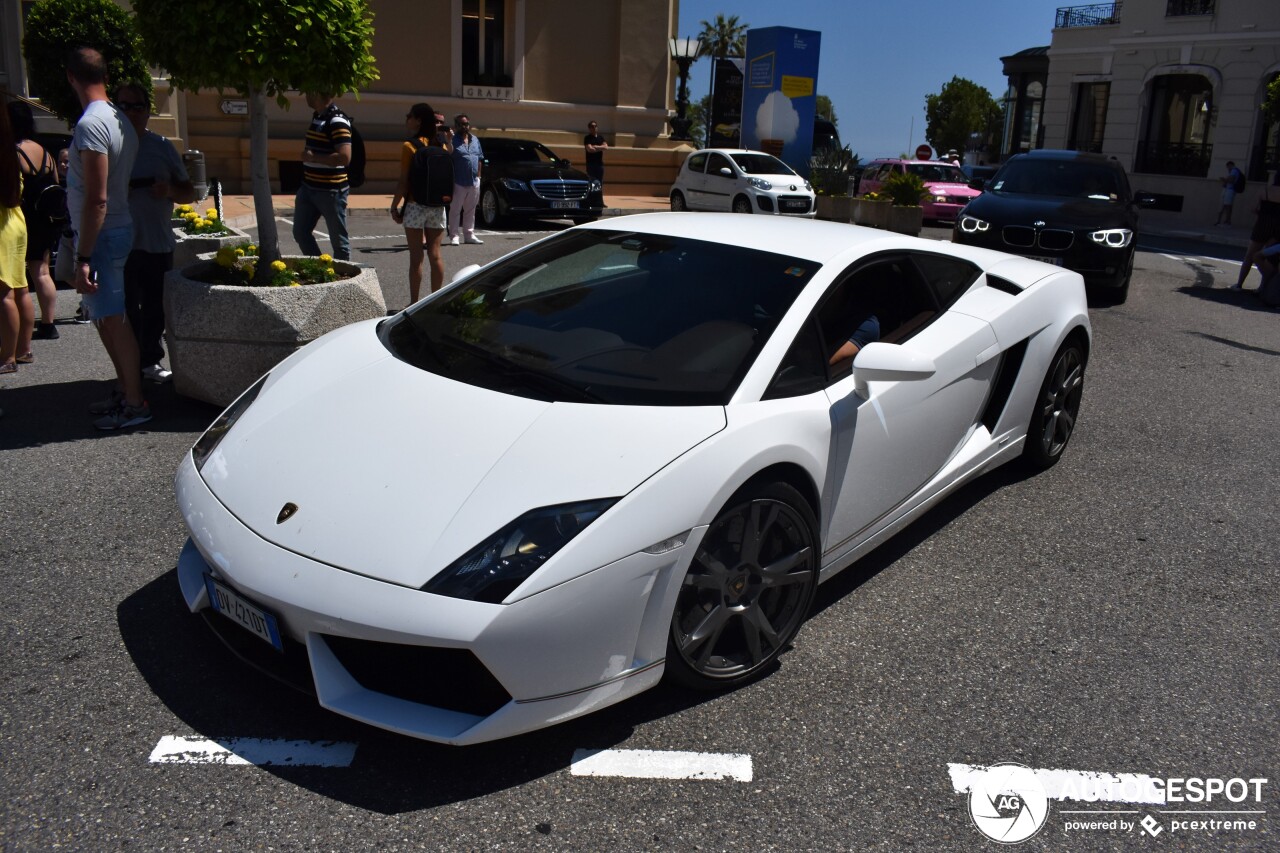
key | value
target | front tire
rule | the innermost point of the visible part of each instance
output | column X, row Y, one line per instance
column 1057, row 408
column 742, row 204
column 748, row 590
column 490, row 210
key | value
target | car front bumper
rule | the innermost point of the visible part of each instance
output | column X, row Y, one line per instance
column 577, row 647
column 526, row 204
column 1100, row 266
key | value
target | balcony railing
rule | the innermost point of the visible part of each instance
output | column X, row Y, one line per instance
column 1189, row 159
column 1089, row 16
column 1262, row 159
column 1181, row 8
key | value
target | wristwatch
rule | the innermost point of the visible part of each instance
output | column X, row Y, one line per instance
column 83, row 259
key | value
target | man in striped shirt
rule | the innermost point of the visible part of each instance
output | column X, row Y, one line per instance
column 324, row 178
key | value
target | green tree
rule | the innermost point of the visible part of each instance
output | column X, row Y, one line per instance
column 724, row 37
column 961, row 108
column 261, row 49
column 823, row 109
column 54, row 27
column 700, row 113
column 1271, row 106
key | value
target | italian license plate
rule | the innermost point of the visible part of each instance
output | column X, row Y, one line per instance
column 244, row 613
column 565, row 205
column 1057, row 262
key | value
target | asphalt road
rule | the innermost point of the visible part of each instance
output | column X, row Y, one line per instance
column 1116, row 614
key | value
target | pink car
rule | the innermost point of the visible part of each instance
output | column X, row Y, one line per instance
column 947, row 186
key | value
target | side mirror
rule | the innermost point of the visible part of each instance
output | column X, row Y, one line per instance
column 726, row 171
column 978, row 184
column 881, row 362
column 464, row 272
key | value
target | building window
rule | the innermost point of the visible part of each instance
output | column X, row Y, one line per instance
column 1030, row 107
column 1178, row 138
column 1090, row 119
column 485, row 59
column 1265, row 155
column 1183, row 8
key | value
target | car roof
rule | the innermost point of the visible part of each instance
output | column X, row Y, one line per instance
column 729, row 151
column 809, row 239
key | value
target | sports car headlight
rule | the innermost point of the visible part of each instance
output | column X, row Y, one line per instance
column 513, row 184
column 218, row 429
column 760, row 183
column 1116, row 238
column 973, row 225
column 491, row 570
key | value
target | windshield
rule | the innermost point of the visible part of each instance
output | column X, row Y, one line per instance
column 508, row 151
column 938, row 173
column 761, row 164
column 1064, row 178
column 606, row 317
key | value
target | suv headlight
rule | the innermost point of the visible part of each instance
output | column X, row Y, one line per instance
column 218, row 430
column 973, row 225
column 760, row 183
column 595, row 186
column 1115, row 238
column 513, row 184
column 493, row 569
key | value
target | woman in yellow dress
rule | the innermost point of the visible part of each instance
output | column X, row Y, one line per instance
column 17, row 315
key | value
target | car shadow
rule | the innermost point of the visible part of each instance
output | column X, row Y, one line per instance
column 1246, row 299
column 52, row 412
column 217, row 696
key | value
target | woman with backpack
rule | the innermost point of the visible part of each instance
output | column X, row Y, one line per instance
column 424, row 220
column 39, row 176
column 16, row 315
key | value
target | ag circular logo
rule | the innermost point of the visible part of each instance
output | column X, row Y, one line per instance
column 1007, row 803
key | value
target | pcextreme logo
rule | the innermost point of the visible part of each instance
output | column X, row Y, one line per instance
column 1010, row 803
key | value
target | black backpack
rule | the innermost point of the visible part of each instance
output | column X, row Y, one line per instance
column 355, row 169
column 430, row 174
column 1240, row 182
column 42, row 196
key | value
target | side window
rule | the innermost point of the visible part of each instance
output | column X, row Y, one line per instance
column 949, row 277
column 698, row 162
column 718, row 162
column 804, row 368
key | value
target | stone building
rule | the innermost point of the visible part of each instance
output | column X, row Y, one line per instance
column 537, row 69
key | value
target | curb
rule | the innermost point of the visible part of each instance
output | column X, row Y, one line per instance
column 249, row 220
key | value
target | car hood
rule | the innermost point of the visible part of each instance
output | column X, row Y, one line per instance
column 534, row 172
column 1057, row 212
column 396, row 472
column 952, row 188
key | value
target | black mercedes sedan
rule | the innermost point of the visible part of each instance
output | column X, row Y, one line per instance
column 523, row 178
column 1062, row 207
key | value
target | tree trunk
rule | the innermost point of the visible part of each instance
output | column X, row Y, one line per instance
column 268, row 238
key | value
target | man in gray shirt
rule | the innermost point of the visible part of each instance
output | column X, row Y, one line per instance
column 103, row 149
column 158, row 180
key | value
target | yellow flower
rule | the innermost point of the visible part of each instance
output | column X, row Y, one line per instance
column 211, row 213
column 330, row 271
column 252, row 250
column 184, row 208
column 225, row 258
column 239, row 253
column 279, row 266
column 326, row 259
column 294, row 284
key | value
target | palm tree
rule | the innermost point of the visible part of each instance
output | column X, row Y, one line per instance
column 724, row 37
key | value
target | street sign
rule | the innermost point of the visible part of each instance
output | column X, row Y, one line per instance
column 235, row 107
column 924, row 152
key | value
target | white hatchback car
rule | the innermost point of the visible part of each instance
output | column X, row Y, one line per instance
column 743, row 182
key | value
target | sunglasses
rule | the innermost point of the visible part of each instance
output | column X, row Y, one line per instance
column 132, row 106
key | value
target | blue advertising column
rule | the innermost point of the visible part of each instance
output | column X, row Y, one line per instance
column 779, row 95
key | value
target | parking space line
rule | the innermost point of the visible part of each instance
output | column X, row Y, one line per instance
column 653, row 764
column 1083, row 785
column 253, row 751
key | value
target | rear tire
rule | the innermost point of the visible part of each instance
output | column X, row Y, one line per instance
column 677, row 202
column 748, row 590
column 1056, row 409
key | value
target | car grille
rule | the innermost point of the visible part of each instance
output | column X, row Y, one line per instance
column 957, row 199
column 793, row 203
column 1050, row 239
column 560, row 190
column 453, row 679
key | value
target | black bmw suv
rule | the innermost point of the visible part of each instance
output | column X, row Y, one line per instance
column 1063, row 207
column 523, row 178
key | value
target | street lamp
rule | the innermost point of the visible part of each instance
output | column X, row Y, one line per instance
column 684, row 51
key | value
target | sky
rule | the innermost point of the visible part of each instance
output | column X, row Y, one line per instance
column 879, row 58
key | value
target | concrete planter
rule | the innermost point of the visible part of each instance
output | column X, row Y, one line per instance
column 906, row 220
column 221, row 338
column 871, row 213
column 191, row 246
column 837, row 208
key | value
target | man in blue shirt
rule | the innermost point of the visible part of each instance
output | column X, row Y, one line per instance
column 867, row 332
column 467, row 156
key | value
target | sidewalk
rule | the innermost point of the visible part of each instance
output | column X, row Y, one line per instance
column 237, row 210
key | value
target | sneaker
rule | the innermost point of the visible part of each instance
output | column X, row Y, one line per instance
column 125, row 416
column 110, row 404
column 473, row 239
column 453, row 241
column 45, row 332
column 82, row 316
column 1236, row 287
column 156, row 374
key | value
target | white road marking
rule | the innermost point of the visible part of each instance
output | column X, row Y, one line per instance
column 1075, row 784
column 253, row 751
column 652, row 764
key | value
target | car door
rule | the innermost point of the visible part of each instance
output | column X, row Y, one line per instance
column 719, row 187
column 693, row 180
column 891, row 441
